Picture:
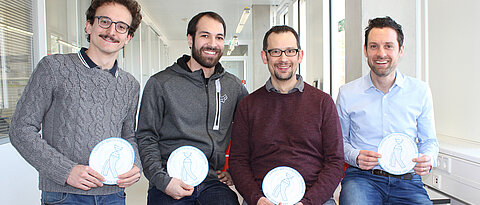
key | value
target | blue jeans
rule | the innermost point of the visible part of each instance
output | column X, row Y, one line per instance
column 211, row 193
column 362, row 187
column 78, row 199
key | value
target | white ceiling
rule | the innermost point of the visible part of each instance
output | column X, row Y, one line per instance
column 172, row 16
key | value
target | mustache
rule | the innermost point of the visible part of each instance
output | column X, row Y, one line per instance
column 283, row 63
column 109, row 37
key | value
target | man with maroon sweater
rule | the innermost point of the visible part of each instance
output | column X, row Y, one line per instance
column 286, row 123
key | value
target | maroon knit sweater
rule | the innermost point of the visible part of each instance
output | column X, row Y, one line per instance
column 300, row 130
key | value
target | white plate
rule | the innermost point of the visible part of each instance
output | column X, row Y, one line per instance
column 283, row 185
column 189, row 164
column 397, row 152
column 112, row 157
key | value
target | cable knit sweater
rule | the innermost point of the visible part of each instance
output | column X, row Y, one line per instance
column 76, row 107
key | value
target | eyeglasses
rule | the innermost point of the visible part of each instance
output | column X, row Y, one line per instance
column 277, row 52
column 105, row 22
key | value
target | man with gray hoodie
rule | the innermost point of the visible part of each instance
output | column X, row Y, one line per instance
column 191, row 103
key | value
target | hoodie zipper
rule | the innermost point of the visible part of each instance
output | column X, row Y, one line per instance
column 206, row 122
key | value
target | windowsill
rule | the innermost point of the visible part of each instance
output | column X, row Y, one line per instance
column 4, row 140
column 465, row 149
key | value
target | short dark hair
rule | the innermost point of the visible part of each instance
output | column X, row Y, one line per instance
column 382, row 23
column 280, row 29
column 131, row 5
column 192, row 25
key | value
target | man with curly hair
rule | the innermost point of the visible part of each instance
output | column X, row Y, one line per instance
column 78, row 100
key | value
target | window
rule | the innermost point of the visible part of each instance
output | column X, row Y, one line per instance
column 65, row 25
column 337, row 45
column 132, row 55
column 150, row 51
column 145, row 54
column 16, row 57
column 302, row 32
column 236, row 62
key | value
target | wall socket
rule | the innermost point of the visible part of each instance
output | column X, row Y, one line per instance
column 436, row 181
column 444, row 163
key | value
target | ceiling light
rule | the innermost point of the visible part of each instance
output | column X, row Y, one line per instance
column 243, row 19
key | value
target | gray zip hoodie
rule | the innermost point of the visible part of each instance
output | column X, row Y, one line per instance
column 180, row 107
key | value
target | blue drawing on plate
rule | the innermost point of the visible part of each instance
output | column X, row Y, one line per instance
column 396, row 156
column 187, row 168
column 110, row 165
column 281, row 188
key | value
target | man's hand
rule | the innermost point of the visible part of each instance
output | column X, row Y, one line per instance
column 83, row 177
column 177, row 189
column 128, row 179
column 424, row 164
column 225, row 177
column 264, row 201
column 366, row 159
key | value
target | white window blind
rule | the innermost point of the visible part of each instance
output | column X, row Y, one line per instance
column 16, row 56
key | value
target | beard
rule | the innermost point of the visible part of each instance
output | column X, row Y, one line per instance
column 207, row 62
column 379, row 72
column 279, row 75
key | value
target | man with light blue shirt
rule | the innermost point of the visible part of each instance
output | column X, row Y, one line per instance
column 381, row 103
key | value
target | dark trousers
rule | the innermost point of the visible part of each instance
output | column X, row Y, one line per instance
column 211, row 193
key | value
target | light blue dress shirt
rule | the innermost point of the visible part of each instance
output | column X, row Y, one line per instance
column 367, row 115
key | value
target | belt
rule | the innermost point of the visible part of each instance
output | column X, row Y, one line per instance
column 380, row 172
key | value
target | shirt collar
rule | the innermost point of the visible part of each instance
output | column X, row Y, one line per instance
column 298, row 86
column 87, row 62
column 368, row 84
column 400, row 79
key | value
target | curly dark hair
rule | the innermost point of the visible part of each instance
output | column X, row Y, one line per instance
column 192, row 24
column 382, row 23
column 277, row 30
column 131, row 5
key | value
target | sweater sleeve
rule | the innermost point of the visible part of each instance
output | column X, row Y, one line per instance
column 128, row 128
column 150, row 119
column 330, row 175
column 26, row 124
column 240, row 156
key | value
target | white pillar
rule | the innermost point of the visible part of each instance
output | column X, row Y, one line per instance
column 358, row 12
column 260, row 25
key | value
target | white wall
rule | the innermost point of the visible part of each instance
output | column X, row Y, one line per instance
column 453, row 77
column 176, row 48
column 454, row 68
column 403, row 12
column 353, row 40
column 19, row 179
column 315, row 42
column 260, row 25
